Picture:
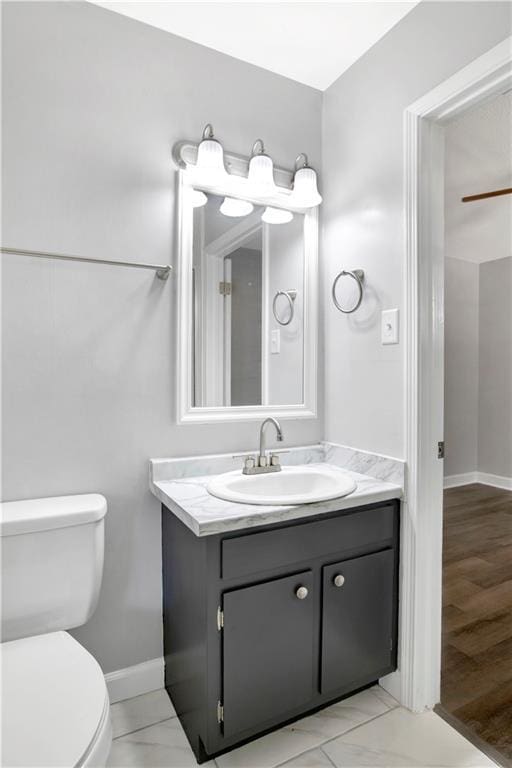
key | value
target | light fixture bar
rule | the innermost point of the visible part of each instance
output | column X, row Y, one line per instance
column 255, row 179
column 184, row 154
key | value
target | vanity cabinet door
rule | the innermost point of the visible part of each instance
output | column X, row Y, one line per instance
column 357, row 621
column 268, row 651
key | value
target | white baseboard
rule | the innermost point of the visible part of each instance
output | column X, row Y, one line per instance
column 485, row 478
column 453, row 481
column 133, row 681
column 496, row 480
column 392, row 684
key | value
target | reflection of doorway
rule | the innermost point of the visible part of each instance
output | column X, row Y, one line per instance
column 243, row 327
column 231, row 340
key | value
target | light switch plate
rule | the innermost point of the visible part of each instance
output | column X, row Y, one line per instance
column 275, row 342
column 389, row 326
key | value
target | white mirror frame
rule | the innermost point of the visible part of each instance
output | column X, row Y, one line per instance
column 235, row 185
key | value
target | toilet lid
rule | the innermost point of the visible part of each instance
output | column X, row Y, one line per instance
column 53, row 700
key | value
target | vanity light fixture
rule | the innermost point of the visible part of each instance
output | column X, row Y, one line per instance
column 206, row 168
column 276, row 215
column 210, row 157
column 231, row 206
column 198, row 198
column 305, row 191
column 261, row 171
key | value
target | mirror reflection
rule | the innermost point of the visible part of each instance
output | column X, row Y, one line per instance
column 248, row 298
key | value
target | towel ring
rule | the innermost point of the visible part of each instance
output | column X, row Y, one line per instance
column 291, row 295
column 358, row 276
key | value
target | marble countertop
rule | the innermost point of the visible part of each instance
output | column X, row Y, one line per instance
column 180, row 484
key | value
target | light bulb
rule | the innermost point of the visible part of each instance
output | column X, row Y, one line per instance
column 231, row 206
column 198, row 198
column 261, row 174
column 305, row 192
column 210, row 158
column 276, row 215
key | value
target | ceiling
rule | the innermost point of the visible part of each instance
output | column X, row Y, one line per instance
column 311, row 42
column 478, row 158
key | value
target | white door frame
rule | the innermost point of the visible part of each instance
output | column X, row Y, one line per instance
column 227, row 333
column 417, row 684
column 265, row 318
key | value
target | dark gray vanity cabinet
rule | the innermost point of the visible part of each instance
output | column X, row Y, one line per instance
column 357, row 619
column 262, row 626
column 267, row 651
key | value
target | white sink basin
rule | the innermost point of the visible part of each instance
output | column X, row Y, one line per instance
column 293, row 485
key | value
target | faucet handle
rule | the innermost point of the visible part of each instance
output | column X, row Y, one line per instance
column 249, row 459
column 274, row 460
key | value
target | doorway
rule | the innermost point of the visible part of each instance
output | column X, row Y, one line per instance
column 418, row 683
column 476, row 659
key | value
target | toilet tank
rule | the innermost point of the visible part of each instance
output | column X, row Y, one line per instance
column 52, row 563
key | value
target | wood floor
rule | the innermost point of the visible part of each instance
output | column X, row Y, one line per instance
column 476, row 682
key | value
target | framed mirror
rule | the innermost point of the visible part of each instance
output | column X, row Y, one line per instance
column 247, row 304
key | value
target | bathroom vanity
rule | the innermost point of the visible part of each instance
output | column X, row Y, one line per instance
column 279, row 583
column 266, row 621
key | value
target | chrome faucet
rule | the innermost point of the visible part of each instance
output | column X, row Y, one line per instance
column 257, row 465
column 280, row 437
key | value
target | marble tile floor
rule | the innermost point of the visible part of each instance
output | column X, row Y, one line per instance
column 367, row 729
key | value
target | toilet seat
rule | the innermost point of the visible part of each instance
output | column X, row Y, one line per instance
column 55, row 707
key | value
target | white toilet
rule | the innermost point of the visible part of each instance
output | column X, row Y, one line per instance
column 55, row 706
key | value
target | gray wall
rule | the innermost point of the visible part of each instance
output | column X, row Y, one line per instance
column 478, row 367
column 92, row 104
column 285, row 271
column 362, row 213
column 461, row 366
column 495, row 365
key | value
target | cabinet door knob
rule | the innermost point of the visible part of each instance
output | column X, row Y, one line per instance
column 302, row 593
column 339, row 580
